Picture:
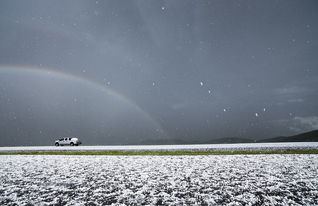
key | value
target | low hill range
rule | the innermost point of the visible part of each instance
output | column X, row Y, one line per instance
column 311, row 136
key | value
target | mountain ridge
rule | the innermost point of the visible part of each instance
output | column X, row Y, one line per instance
column 311, row 136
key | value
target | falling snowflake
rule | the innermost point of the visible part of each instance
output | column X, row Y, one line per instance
column 201, row 83
column 209, row 91
column 256, row 114
column 163, row 8
column 224, row 110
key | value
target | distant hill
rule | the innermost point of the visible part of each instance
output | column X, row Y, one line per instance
column 226, row 140
column 229, row 140
column 303, row 137
column 163, row 142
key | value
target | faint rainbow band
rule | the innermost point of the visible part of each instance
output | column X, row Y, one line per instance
column 82, row 80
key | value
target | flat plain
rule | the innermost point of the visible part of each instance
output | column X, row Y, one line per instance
column 285, row 179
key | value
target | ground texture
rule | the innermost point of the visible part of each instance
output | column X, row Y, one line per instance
column 159, row 180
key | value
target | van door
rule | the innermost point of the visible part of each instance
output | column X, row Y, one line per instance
column 64, row 142
column 67, row 141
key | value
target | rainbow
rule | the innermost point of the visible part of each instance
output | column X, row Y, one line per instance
column 83, row 81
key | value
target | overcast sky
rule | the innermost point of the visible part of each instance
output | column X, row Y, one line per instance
column 125, row 71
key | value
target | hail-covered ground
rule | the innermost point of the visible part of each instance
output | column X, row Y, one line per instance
column 159, row 180
column 210, row 147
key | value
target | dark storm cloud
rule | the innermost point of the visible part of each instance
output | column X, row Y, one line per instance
column 201, row 69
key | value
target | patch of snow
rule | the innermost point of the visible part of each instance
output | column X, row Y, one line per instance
column 165, row 180
column 243, row 146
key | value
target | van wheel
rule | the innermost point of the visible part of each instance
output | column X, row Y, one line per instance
column 72, row 144
column 57, row 144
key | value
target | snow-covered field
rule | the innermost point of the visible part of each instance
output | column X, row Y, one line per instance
column 159, row 180
column 243, row 146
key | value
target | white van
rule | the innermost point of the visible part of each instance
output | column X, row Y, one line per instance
column 68, row 141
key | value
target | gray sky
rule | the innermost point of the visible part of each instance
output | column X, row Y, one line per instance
column 125, row 71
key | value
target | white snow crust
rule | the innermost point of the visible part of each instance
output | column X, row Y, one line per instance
column 159, row 180
column 243, row 146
